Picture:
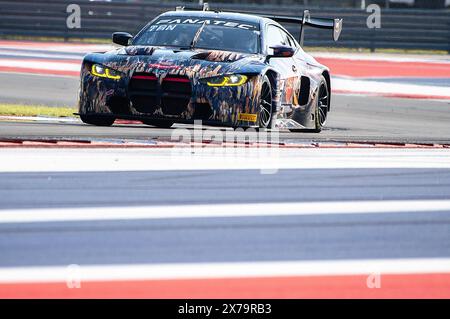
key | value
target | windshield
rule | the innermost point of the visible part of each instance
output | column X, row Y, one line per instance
column 211, row 34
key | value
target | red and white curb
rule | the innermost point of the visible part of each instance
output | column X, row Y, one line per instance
column 384, row 278
column 42, row 67
column 362, row 278
column 162, row 143
column 383, row 57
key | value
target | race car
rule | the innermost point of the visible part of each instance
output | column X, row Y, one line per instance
column 223, row 68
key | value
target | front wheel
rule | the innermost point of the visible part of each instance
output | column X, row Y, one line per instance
column 97, row 120
column 265, row 105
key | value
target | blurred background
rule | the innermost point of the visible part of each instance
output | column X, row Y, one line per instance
column 405, row 24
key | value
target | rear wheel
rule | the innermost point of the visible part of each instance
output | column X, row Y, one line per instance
column 265, row 105
column 321, row 110
column 97, row 120
column 159, row 123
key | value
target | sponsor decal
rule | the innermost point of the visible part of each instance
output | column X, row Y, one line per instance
column 163, row 27
column 247, row 117
column 164, row 24
column 164, row 66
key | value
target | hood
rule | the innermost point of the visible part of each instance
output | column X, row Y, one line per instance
column 192, row 63
column 199, row 54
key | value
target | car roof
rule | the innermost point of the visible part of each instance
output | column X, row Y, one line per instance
column 219, row 14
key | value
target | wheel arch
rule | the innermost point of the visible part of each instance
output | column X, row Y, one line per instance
column 326, row 75
column 273, row 77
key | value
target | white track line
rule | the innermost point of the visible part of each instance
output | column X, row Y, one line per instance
column 385, row 88
column 268, row 161
column 431, row 59
column 223, row 270
column 56, row 47
column 220, row 210
column 39, row 55
column 39, row 65
column 43, row 119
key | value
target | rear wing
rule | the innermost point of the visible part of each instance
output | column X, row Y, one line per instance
column 305, row 21
column 308, row 21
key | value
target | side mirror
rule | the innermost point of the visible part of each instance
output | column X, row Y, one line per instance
column 121, row 38
column 282, row 51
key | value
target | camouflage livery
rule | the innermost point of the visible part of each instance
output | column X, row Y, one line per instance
column 226, row 102
column 294, row 94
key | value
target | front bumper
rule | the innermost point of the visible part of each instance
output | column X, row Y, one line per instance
column 170, row 97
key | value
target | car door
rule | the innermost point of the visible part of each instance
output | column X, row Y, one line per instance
column 287, row 67
column 301, row 70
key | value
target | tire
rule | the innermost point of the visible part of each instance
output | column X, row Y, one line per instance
column 159, row 123
column 322, row 105
column 265, row 105
column 97, row 120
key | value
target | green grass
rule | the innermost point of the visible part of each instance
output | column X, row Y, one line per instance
column 35, row 110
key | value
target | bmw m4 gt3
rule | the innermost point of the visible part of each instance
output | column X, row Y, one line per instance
column 224, row 68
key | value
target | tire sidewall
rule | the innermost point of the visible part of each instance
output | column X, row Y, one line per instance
column 269, row 125
column 318, row 125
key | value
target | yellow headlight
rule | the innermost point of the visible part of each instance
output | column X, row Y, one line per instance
column 228, row 80
column 104, row 72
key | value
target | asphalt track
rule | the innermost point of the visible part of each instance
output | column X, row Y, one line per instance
column 35, row 89
column 392, row 218
column 354, row 118
column 383, row 235
column 237, row 239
